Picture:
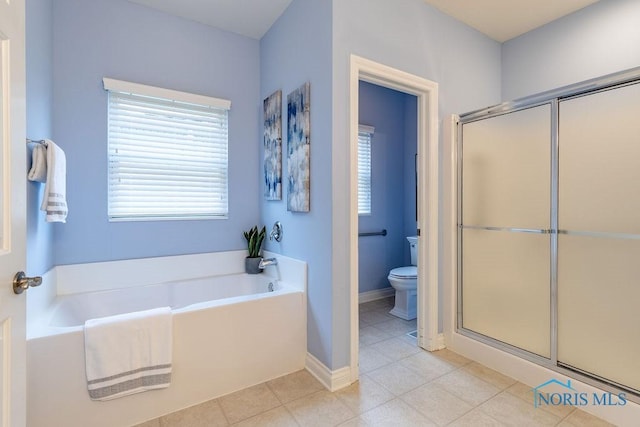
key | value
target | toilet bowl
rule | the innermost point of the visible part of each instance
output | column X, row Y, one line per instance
column 405, row 281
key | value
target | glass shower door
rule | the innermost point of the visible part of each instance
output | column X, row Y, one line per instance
column 504, row 221
column 599, row 235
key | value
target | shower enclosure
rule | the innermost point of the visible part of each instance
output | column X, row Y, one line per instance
column 549, row 229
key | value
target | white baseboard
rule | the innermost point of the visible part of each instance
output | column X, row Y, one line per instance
column 440, row 341
column 331, row 380
column 437, row 344
column 375, row 294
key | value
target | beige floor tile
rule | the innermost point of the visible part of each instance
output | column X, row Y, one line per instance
column 151, row 423
column 560, row 411
column 397, row 326
column 395, row 348
column 371, row 334
column 394, row 413
column 294, row 386
column 489, row 375
column 320, row 409
column 277, row 417
column 426, row 365
column 382, row 303
column 248, row 402
column 525, row 393
column 365, row 307
column 364, row 395
column 580, row 418
column 436, row 403
column 354, row 422
column 467, row 387
column 449, row 356
column 207, row 414
column 521, row 391
column 376, row 316
column 512, row 411
column 407, row 338
column 370, row 359
column 396, row 378
column 476, row 418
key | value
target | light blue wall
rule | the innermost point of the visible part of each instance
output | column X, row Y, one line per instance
column 122, row 40
column 310, row 42
column 392, row 202
column 39, row 59
column 297, row 49
column 597, row 40
column 411, row 36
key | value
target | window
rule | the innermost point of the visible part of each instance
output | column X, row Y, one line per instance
column 167, row 154
column 365, row 133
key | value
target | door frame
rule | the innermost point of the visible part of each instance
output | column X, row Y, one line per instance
column 426, row 93
column 13, row 381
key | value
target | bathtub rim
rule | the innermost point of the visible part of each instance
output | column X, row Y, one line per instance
column 71, row 279
column 40, row 326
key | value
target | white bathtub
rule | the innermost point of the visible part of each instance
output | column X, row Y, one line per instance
column 231, row 331
column 73, row 310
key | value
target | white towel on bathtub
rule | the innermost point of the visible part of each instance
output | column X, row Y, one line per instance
column 128, row 353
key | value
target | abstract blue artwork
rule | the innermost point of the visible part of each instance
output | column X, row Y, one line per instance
column 298, row 146
column 273, row 146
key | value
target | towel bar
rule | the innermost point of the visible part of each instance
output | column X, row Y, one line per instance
column 36, row 141
column 374, row 233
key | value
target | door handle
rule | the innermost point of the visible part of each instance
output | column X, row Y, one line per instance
column 21, row 282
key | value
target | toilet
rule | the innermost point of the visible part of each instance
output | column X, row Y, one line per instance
column 405, row 281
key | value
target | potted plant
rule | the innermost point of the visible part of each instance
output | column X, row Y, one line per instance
column 254, row 243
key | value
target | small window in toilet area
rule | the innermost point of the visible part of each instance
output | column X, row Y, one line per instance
column 167, row 154
column 365, row 135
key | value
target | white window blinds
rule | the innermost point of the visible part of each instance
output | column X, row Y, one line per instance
column 365, row 133
column 168, row 154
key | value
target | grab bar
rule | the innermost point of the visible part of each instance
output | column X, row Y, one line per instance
column 373, row 233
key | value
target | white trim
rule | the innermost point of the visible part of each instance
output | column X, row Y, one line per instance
column 428, row 272
column 440, row 342
column 158, row 92
column 450, row 219
column 375, row 294
column 366, row 129
column 331, row 380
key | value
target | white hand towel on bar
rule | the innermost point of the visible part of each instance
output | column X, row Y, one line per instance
column 128, row 353
column 38, row 171
column 54, row 200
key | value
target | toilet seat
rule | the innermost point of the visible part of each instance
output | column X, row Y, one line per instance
column 409, row 272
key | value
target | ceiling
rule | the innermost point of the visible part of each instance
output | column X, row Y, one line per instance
column 503, row 20
column 251, row 18
column 499, row 19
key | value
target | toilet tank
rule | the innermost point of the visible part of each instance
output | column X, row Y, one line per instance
column 413, row 244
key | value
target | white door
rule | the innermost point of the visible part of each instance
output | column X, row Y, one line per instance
column 12, row 212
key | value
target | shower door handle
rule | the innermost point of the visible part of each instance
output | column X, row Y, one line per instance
column 509, row 229
column 21, row 282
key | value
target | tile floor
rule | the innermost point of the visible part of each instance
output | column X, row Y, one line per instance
column 400, row 385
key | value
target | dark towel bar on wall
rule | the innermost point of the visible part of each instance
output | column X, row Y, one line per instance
column 373, row 233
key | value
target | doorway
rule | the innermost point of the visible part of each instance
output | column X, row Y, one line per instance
column 387, row 223
column 426, row 95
